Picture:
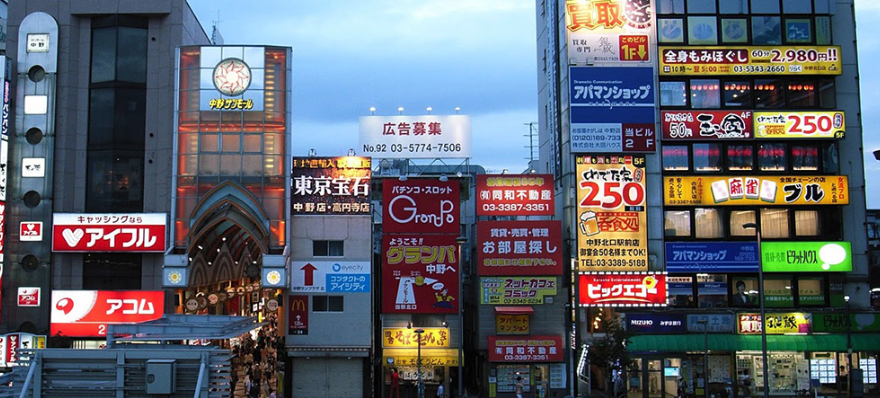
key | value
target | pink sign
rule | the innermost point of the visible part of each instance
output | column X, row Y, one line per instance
column 420, row 206
column 420, row 274
column 139, row 232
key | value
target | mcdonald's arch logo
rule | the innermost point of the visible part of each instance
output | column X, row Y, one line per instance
column 298, row 316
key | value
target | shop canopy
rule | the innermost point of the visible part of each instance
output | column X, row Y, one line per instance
column 730, row 342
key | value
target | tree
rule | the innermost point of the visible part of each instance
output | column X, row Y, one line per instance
column 609, row 352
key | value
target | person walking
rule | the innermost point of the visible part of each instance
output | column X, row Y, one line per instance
column 519, row 387
column 395, row 384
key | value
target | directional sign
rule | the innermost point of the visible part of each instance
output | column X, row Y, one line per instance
column 330, row 276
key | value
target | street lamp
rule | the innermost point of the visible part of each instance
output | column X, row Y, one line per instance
column 421, row 387
column 849, row 367
column 763, row 314
column 705, row 325
column 460, row 241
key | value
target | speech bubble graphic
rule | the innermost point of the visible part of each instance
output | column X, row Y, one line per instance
column 65, row 305
column 831, row 254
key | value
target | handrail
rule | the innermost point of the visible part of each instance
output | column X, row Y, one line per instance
column 202, row 376
column 35, row 363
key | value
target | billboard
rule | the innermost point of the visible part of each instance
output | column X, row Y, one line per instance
column 420, row 274
column 117, row 232
column 507, row 290
column 416, row 137
column 790, row 124
column 525, row 349
column 655, row 323
column 611, row 222
column 711, row 257
column 330, row 276
column 407, row 338
column 624, row 289
column 515, row 195
column 750, row 60
column 706, row 125
column 86, row 313
column 612, row 109
column 806, row 256
column 519, row 247
column 609, row 31
column 763, row 190
column 420, row 206
column 337, row 185
column 785, row 323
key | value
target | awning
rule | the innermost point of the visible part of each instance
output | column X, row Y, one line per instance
column 729, row 342
column 511, row 310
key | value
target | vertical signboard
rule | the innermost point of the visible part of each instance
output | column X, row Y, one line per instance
column 339, row 185
column 420, row 274
column 5, row 70
column 611, row 220
column 298, row 315
column 609, row 31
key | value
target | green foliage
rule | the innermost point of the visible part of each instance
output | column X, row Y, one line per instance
column 609, row 352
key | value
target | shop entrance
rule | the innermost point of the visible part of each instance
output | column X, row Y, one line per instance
column 654, row 379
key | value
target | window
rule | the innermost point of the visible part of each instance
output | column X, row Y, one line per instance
column 738, row 94
column 702, row 30
column 798, row 30
column 701, row 6
column 733, row 7
column 827, row 97
column 811, row 290
column 830, row 160
column 766, row 30
column 707, row 157
column 769, row 94
column 740, row 157
column 797, row 6
column 738, row 218
column 327, row 304
column 675, row 157
column 327, row 248
column 705, row 93
column 708, row 223
column 712, row 290
column 670, row 30
column 670, row 7
column 778, row 292
column 765, row 7
column 807, row 223
column 677, row 223
column 744, row 292
column 802, row 94
column 111, row 271
column 681, row 291
column 673, row 94
column 804, row 157
column 774, row 223
column 771, row 157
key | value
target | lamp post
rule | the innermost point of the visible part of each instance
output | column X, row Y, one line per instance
column 419, row 386
column 705, row 325
column 460, row 241
column 763, row 314
column 848, row 351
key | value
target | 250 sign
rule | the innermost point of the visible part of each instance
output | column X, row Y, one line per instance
column 800, row 124
column 612, row 194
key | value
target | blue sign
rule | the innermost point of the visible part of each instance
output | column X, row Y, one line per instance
column 348, row 283
column 655, row 323
column 693, row 257
column 611, row 87
column 712, row 323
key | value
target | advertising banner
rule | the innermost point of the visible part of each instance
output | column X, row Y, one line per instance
column 515, row 195
column 420, row 274
column 420, row 206
column 516, row 290
column 330, row 276
column 407, row 338
column 525, row 349
column 711, row 323
column 511, row 324
column 29, row 297
column 612, row 226
column 655, row 323
column 416, row 137
column 612, row 110
column 711, row 257
column 86, row 313
column 118, row 232
column 625, row 289
column 794, row 322
column 707, row 125
column 758, row 191
column 323, row 186
column 615, row 32
column 519, row 247
column 750, row 60
column 298, row 315
column 843, row 323
column 806, row 256
column 818, row 124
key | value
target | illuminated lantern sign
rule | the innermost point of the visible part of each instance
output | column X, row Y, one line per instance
column 420, row 206
column 637, row 289
column 609, row 31
column 519, row 247
column 323, row 186
column 420, row 274
column 819, row 124
column 515, row 195
column 525, row 349
column 763, row 190
column 86, row 313
column 747, row 60
column 407, row 338
column 706, row 125
column 118, row 232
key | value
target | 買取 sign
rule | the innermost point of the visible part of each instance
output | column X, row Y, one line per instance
column 806, row 256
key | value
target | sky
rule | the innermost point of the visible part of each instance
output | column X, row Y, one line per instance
column 476, row 55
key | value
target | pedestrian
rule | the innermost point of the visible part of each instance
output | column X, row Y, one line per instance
column 395, row 384
column 682, row 387
column 519, row 387
column 619, row 390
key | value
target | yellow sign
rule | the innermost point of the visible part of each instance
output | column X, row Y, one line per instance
column 784, row 124
column 750, row 60
column 399, row 357
column 511, row 324
column 405, row 337
column 516, row 290
column 794, row 322
column 612, row 226
column 743, row 191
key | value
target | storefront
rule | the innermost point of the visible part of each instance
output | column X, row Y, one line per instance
column 401, row 353
column 536, row 360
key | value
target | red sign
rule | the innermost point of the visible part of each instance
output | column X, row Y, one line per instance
column 86, row 313
column 28, row 297
column 420, row 274
column 89, row 232
column 519, row 247
column 30, row 231
column 420, row 206
column 515, row 195
column 611, row 289
column 525, row 349
column 634, row 48
column 2, row 231
column 12, row 342
column 298, row 315
column 707, row 125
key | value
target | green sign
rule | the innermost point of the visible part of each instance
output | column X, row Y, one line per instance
column 806, row 256
column 836, row 323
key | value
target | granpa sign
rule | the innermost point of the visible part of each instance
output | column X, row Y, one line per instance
column 420, row 206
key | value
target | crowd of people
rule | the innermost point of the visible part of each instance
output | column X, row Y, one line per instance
column 255, row 364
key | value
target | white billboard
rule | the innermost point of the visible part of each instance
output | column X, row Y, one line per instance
column 415, row 137
column 330, row 276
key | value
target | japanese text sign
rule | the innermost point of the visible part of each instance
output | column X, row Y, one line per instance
column 324, row 186
column 29, row 297
column 516, row 290
column 519, row 247
column 525, row 349
column 795, row 322
column 230, row 79
column 122, row 232
column 330, row 276
column 706, row 257
column 806, row 256
column 612, row 32
column 612, row 226
column 420, row 206
column 626, row 289
column 83, row 313
column 407, row 338
column 515, row 195
column 298, row 315
column 748, row 60
column 842, row 323
column 416, row 137
column 2, row 232
column 655, row 323
column 818, row 124
column 710, row 323
column 706, row 125
column 420, row 274
column 612, row 110
column 511, row 324
column 764, row 190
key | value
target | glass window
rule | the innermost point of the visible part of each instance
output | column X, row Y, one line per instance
column 738, row 218
column 707, row 157
column 103, row 55
column 804, row 157
column 115, row 181
column 708, row 223
column 210, row 143
column 702, row 30
column 830, row 160
column 778, row 292
column 823, row 30
column 765, row 7
column 701, row 6
column 738, row 94
column 811, row 290
column 744, row 292
column 711, row 290
column 681, row 291
column 827, row 97
column 231, row 143
column 769, row 93
column 771, row 157
column 797, row 6
column 802, row 94
column 673, row 94
column 733, row 7
column 774, row 223
column 740, row 157
column 675, row 157
column 336, row 304
column 111, row 271
column 327, row 248
column 705, row 93
column 319, row 303
column 670, row 7
column 766, row 30
column 131, row 62
column 807, row 223
column 671, row 30
column 677, row 223
column 734, row 30
column 798, row 30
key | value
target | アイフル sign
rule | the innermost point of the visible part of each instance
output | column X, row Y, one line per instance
column 118, row 232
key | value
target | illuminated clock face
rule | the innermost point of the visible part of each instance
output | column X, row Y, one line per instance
column 638, row 13
column 232, row 76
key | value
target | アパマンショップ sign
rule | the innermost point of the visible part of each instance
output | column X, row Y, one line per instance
column 420, row 206
column 86, row 313
column 515, row 195
column 118, row 232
